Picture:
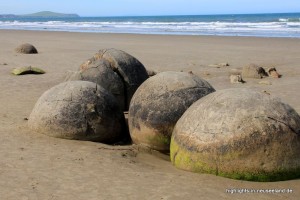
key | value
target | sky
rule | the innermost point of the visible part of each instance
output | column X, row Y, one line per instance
column 149, row 7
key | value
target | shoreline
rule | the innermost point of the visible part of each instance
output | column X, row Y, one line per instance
column 158, row 34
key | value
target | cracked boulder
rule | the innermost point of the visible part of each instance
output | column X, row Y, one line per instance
column 78, row 110
column 240, row 134
column 159, row 102
column 130, row 71
column 100, row 72
column 26, row 49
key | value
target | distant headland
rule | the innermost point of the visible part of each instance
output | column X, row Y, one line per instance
column 41, row 14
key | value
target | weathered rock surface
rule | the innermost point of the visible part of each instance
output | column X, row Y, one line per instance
column 101, row 73
column 253, row 71
column 131, row 71
column 26, row 49
column 78, row 110
column 159, row 102
column 240, row 134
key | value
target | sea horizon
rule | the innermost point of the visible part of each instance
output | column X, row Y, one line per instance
column 257, row 25
column 175, row 15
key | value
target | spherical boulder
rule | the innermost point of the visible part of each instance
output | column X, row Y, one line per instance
column 26, row 49
column 131, row 71
column 79, row 110
column 100, row 72
column 240, row 134
column 159, row 102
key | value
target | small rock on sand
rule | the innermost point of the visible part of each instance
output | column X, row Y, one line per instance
column 253, row 71
column 265, row 83
column 236, row 79
column 219, row 65
column 26, row 49
column 272, row 72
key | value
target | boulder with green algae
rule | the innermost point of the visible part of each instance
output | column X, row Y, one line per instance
column 79, row 110
column 129, row 69
column 27, row 70
column 240, row 134
column 159, row 102
column 99, row 72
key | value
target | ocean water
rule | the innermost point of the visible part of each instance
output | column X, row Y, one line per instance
column 258, row 25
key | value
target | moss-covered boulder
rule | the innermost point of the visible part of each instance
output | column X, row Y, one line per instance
column 130, row 70
column 78, row 110
column 26, row 49
column 159, row 102
column 240, row 134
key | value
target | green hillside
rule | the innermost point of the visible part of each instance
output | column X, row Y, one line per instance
column 49, row 14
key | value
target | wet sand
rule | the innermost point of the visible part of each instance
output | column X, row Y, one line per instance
column 34, row 166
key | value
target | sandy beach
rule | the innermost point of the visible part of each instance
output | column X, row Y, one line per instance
column 35, row 166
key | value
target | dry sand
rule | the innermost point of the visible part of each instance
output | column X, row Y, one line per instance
column 34, row 166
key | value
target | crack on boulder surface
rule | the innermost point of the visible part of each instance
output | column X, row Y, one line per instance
column 297, row 132
column 116, row 70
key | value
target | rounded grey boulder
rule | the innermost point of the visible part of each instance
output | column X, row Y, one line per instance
column 78, row 110
column 240, row 134
column 26, row 49
column 159, row 102
column 131, row 71
column 100, row 72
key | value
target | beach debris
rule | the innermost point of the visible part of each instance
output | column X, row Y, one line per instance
column 78, row 110
column 273, row 72
column 253, row 71
column 266, row 92
column 158, row 104
column 123, row 68
column 236, row 79
column 26, row 49
column 219, row 65
column 206, row 73
column 4, row 63
column 151, row 72
column 265, row 82
column 27, row 70
column 238, row 133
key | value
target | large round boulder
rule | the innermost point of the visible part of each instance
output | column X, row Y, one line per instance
column 100, row 72
column 240, row 134
column 159, row 102
column 78, row 110
column 26, row 49
column 131, row 71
